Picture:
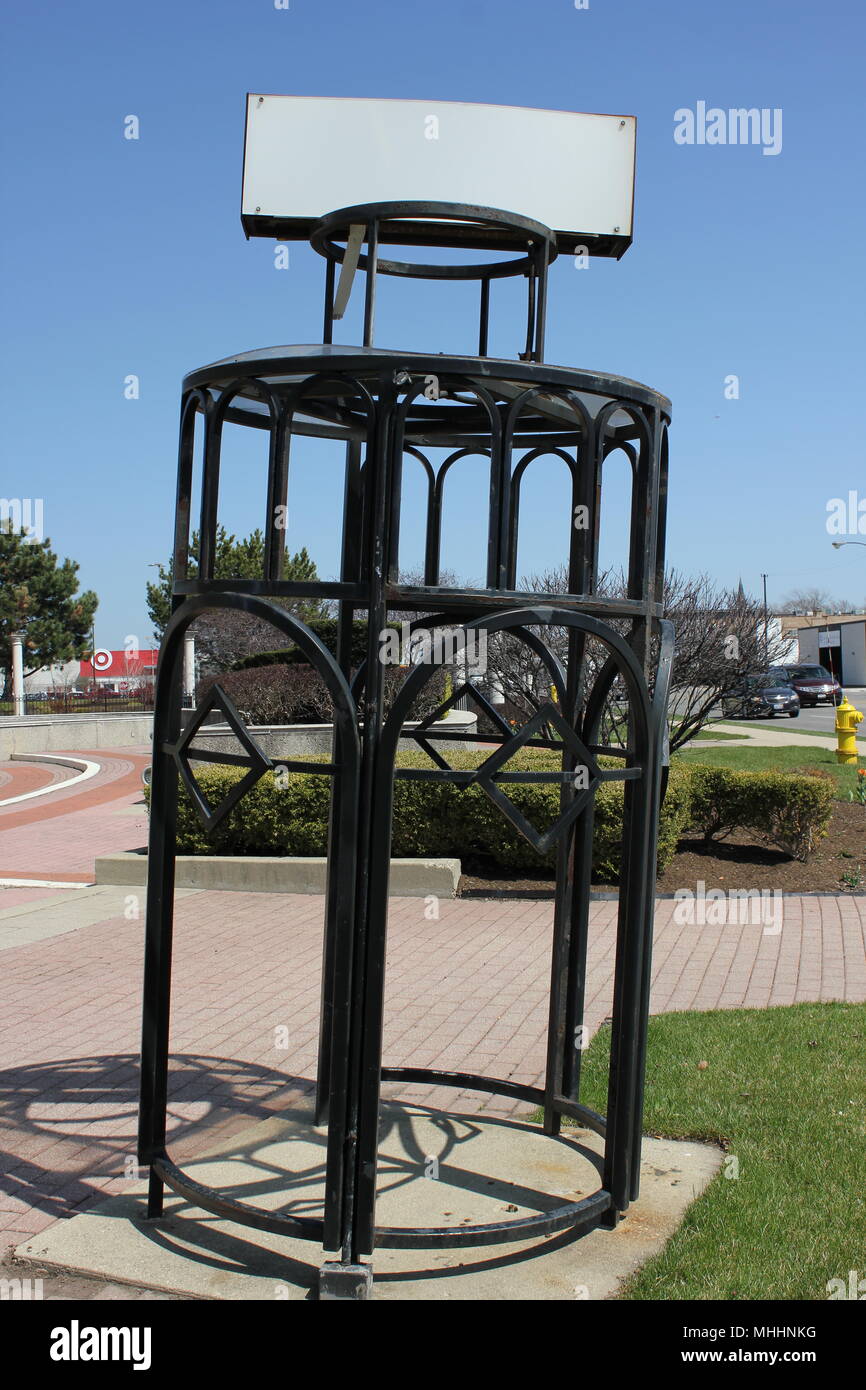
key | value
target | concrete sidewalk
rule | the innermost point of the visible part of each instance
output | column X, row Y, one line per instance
column 774, row 737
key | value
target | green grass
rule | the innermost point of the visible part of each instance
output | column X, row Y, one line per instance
column 784, row 1093
column 791, row 758
column 709, row 732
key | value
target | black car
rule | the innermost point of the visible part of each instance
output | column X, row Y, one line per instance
column 814, row 684
column 761, row 696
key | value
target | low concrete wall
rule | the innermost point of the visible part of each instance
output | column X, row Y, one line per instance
column 62, row 732
column 314, row 740
column 68, row 732
column 410, row 878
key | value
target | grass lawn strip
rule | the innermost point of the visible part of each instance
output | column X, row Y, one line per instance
column 784, row 1092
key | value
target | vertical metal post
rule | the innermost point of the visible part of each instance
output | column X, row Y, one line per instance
column 373, row 854
column 158, row 928
column 484, row 317
column 345, row 624
column 541, row 306
column 328, row 327
column 625, row 1026
column 372, row 271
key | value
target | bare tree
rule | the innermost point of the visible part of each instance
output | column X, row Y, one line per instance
column 809, row 601
column 720, row 638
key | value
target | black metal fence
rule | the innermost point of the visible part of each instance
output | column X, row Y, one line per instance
column 82, row 702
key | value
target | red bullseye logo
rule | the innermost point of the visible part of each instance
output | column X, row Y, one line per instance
column 101, row 660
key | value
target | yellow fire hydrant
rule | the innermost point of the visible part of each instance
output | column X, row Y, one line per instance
column 847, row 719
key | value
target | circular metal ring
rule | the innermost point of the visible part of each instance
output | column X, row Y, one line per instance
column 517, row 229
column 579, row 1217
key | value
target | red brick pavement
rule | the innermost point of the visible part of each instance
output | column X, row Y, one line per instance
column 465, row 992
column 58, row 836
column 17, row 779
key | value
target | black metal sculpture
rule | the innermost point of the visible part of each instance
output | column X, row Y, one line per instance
column 379, row 403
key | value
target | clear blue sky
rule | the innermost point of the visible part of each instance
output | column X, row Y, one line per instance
column 127, row 257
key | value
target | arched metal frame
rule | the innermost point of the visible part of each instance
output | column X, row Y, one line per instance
column 511, row 413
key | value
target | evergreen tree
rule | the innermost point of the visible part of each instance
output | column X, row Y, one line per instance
column 39, row 597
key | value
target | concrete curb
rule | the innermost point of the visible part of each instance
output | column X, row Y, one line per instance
column 86, row 770
column 410, row 878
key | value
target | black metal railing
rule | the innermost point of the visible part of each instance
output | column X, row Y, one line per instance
column 81, row 702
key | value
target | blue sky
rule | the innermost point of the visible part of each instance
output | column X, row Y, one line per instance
column 127, row 257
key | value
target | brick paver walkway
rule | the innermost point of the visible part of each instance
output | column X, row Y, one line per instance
column 59, row 835
column 465, row 992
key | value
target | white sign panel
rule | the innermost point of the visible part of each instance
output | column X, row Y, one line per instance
column 307, row 156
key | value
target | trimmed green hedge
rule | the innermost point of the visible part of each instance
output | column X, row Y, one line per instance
column 287, row 813
column 431, row 818
column 790, row 811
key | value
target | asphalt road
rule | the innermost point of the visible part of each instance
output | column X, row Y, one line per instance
column 822, row 718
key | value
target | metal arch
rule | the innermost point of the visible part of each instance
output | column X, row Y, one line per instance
column 521, row 632
column 522, row 619
column 643, row 461
column 338, row 946
column 568, row 397
column 619, row 1144
column 423, row 460
column 486, row 401
column 307, row 388
column 431, row 568
column 540, row 451
column 305, row 391
column 214, row 422
column 584, row 447
column 195, row 403
column 433, row 551
column 293, row 627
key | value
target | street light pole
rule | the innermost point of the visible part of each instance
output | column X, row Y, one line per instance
column 766, row 628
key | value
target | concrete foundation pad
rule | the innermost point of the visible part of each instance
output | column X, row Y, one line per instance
column 410, row 878
column 436, row 1169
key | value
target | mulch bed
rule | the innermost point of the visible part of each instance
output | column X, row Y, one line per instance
column 737, row 862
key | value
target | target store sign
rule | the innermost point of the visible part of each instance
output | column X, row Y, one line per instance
column 120, row 665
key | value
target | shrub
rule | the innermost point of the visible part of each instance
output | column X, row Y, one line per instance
column 431, row 818
column 276, row 694
column 789, row 810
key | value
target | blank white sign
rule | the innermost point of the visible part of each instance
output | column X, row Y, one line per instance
column 307, row 156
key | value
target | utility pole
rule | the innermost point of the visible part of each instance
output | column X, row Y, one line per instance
column 766, row 628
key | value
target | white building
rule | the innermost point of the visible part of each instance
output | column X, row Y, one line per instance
column 837, row 643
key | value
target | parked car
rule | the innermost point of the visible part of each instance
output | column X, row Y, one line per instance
column 815, row 685
column 760, row 696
